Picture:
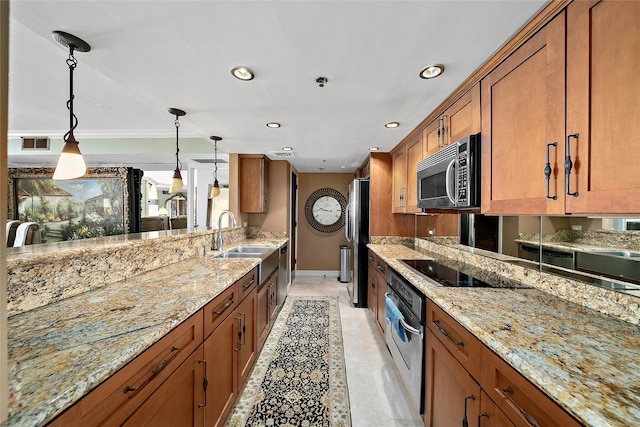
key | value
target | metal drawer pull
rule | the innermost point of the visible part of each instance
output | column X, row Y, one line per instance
column 446, row 334
column 547, row 171
column 409, row 328
column 244, row 329
column 483, row 414
column 205, row 383
column 249, row 283
column 221, row 310
column 528, row 418
column 155, row 371
column 568, row 164
column 465, row 421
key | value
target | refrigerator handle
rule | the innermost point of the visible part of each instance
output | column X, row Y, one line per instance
column 347, row 227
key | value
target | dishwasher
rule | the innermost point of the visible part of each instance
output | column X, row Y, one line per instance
column 282, row 275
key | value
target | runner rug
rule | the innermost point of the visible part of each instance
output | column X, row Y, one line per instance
column 299, row 378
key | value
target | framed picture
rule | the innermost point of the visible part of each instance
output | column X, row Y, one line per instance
column 95, row 205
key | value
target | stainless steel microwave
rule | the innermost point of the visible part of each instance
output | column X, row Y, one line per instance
column 450, row 178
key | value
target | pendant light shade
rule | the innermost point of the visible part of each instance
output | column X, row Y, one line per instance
column 215, row 190
column 176, row 182
column 71, row 164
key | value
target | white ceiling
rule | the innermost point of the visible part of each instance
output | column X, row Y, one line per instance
column 147, row 56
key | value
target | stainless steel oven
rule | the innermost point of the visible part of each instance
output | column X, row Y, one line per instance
column 450, row 178
column 407, row 350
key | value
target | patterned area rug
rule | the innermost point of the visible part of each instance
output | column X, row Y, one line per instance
column 299, row 378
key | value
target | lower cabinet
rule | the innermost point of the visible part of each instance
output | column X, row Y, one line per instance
column 267, row 307
column 465, row 381
column 377, row 287
column 451, row 394
column 179, row 401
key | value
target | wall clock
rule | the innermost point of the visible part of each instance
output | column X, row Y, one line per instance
column 325, row 209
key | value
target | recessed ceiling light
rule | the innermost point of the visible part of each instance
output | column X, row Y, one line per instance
column 287, row 148
column 343, row 167
column 391, row 125
column 274, row 125
column 242, row 73
column 432, row 71
column 374, row 148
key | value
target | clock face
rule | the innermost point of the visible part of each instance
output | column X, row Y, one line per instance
column 327, row 210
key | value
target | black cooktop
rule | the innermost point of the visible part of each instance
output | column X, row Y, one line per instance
column 446, row 276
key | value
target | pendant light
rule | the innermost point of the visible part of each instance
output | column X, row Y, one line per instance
column 176, row 182
column 70, row 164
column 215, row 190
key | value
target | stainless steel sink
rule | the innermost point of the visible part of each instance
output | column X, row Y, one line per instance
column 250, row 249
column 269, row 258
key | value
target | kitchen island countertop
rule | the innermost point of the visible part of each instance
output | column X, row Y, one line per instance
column 61, row 351
column 586, row 361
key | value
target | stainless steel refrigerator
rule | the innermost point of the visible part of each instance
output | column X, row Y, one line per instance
column 357, row 234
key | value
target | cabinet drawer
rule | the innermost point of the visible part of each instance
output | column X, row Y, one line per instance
column 221, row 306
column 520, row 400
column 248, row 283
column 381, row 268
column 372, row 258
column 461, row 343
column 114, row 400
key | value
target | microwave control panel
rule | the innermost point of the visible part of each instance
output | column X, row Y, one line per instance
column 463, row 176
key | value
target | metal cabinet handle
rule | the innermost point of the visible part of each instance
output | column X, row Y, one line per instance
column 444, row 131
column 248, row 283
column 224, row 307
column 528, row 418
column 465, row 421
column 547, row 171
column 239, row 319
column 446, row 334
column 482, row 414
column 205, row 383
column 244, row 329
column 439, row 131
column 155, row 372
column 568, row 164
column 380, row 268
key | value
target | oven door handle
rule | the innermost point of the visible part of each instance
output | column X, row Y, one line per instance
column 446, row 182
column 410, row 328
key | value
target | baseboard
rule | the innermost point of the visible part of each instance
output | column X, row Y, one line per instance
column 317, row 273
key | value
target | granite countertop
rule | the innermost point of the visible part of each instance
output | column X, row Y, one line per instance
column 588, row 362
column 63, row 350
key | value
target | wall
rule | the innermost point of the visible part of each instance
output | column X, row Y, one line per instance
column 319, row 251
column 4, row 89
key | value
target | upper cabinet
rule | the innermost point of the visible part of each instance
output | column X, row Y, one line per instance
column 540, row 158
column 460, row 119
column 405, row 191
column 253, row 179
column 603, row 86
column 522, row 112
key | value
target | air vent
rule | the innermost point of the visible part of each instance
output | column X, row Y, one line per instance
column 209, row 161
column 35, row 142
column 283, row 154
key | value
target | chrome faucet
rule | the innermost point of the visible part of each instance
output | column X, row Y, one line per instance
column 218, row 234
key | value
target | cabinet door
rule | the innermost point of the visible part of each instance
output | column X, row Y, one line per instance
column 179, row 401
column 414, row 155
column 381, row 312
column 399, row 181
column 448, row 388
column 432, row 137
column 522, row 112
column 248, row 339
column 463, row 117
column 220, row 352
column 603, row 65
column 491, row 415
column 371, row 278
column 253, row 182
column 263, row 313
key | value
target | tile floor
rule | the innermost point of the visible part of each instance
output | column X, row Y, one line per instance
column 376, row 394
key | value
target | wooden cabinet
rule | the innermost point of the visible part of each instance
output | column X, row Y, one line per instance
column 247, row 312
column 218, row 309
column 120, row 395
column 179, row 401
column 377, row 288
column 520, row 400
column 253, row 180
column 522, row 112
column 526, row 117
column 267, row 305
column 603, row 65
column 405, row 189
column 460, row 370
column 460, row 119
column 450, row 392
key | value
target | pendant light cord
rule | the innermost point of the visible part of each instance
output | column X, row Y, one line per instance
column 178, row 162
column 73, row 120
column 215, row 162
